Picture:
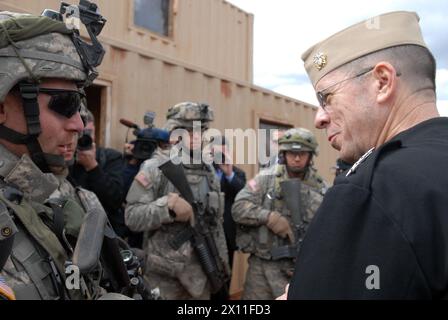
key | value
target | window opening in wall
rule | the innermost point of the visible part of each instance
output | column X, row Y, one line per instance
column 153, row 15
column 273, row 132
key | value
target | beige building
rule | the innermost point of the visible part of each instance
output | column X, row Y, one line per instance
column 201, row 50
column 161, row 52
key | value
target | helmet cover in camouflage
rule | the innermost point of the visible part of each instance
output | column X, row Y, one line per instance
column 183, row 115
column 84, row 111
column 47, row 53
column 298, row 139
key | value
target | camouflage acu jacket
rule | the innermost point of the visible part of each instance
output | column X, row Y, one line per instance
column 147, row 210
column 262, row 195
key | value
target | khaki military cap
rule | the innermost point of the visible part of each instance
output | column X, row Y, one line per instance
column 381, row 32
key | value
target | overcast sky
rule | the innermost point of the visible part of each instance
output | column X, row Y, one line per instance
column 284, row 29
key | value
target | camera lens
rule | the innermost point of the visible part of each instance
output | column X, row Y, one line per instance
column 85, row 142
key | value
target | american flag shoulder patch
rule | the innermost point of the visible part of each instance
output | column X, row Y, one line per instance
column 5, row 291
column 253, row 185
column 143, row 180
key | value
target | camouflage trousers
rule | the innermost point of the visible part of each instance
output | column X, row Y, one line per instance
column 171, row 288
column 266, row 279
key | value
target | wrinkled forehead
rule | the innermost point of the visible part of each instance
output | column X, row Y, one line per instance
column 331, row 78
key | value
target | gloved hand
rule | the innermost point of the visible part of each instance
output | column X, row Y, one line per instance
column 280, row 226
column 181, row 208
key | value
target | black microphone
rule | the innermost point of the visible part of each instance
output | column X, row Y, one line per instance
column 129, row 124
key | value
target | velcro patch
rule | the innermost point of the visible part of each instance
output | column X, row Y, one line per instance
column 5, row 291
column 143, row 180
column 253, row 185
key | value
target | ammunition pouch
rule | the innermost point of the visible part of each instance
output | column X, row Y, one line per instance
column 179, row 264
column 31, row 260
column 215, row 203
column 246, row 238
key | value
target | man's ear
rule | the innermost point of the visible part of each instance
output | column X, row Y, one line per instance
column 386, row 81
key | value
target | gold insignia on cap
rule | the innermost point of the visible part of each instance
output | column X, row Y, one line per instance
column 320, row 60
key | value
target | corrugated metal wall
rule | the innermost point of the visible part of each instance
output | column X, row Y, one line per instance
column 154, row 84
column 209, row 34
column 208, row 59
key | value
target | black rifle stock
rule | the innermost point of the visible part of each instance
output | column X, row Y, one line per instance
column 291, row 195
column 111, row 255
column 201, row 239
column 292, row 198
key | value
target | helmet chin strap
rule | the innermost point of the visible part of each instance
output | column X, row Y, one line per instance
column 29, row 93
column 42, row 160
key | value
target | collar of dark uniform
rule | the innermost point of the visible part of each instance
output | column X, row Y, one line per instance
column 359, row 162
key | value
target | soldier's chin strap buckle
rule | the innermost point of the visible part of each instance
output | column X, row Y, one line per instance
column 29, row 93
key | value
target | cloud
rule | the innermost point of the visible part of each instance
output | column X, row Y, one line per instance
column 442, row 84
column 273, row 80
column 284, row 29
column 303, row 92
column 442, row 105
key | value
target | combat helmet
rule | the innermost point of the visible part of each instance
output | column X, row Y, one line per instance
column 186, row 114
column 298, row 139
column 33, row 48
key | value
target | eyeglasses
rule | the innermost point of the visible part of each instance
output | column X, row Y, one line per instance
column 300, row 154
column 322, row 95
column 64, row 102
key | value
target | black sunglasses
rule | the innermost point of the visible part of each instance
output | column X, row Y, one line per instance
column 64, row 102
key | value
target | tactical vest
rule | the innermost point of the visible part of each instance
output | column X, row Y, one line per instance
column 37, row 254
column 260, row 240
column 206, row 190
column 30, row 259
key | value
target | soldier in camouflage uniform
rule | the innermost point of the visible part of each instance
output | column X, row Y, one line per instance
column 264, row 222
column 41, row 73
column 154, row 206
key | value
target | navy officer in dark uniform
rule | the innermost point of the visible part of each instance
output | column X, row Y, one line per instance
column 382, row 229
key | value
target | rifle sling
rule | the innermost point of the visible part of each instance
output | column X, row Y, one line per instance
column 58, row 223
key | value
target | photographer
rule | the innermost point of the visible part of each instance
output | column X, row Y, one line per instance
column 99, row 170
column 148, row 141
